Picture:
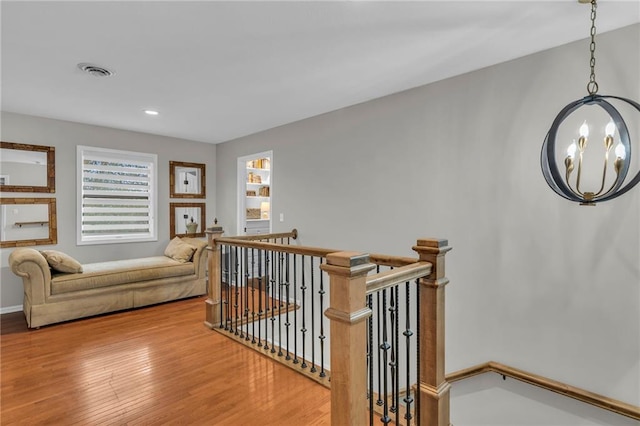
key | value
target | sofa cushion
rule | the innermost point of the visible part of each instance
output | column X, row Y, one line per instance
column 179, row 250
column 61, row 262
column 105, row 274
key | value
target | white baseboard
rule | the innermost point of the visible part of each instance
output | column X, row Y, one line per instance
column 9, row 309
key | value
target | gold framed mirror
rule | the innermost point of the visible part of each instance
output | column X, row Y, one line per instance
column 27, row 168
column 187, row 219
column 187, row 180
column 28, row 222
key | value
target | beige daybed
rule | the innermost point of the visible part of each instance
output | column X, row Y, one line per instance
column 51, row 296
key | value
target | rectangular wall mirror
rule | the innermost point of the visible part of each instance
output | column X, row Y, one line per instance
column 186, row 180
column 187, row 219
column 28, row 222
column 27, row 168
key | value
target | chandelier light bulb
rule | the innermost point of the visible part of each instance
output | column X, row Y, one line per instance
column 571, row 149
column 584, row 130
column 610, row 130
column 621, row 152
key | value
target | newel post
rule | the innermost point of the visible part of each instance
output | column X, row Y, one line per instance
column 213, row 305
column 433, row 387
column 347, row 312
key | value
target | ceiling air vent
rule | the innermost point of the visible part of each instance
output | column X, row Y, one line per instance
column 95, row 70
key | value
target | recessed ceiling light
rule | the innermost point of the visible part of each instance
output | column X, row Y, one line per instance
column 95, row 70
column 150, row 112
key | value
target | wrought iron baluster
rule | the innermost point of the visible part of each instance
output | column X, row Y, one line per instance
column 260, row 291
column 267, row 286
column 408, row 399
column 393, row 362
column 253, row 298
column 273, row 301
column 369, row 359
column 280, row 263
column 295, row 311
column 287, row 323
column 379, row 401
column 385, row 356
column 243, row 289
column 236, row 290
column 322, row 337
column 313, row 323
column 224, row 288
column 303, row 330
column 396, row 345
column 417, row 404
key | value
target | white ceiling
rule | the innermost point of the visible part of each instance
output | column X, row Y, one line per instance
column 220, row 70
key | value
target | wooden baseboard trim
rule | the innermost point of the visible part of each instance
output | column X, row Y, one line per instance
column 604, row 402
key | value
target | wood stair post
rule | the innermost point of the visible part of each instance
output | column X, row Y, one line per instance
column 213, row 307
column 347, row 312
column 433, row 387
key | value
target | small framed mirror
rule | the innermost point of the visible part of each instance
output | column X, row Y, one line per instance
column 186, row 180
column 28, row 222
column 187, row 219
column 27, row 168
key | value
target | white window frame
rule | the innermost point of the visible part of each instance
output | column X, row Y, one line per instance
column 150, row 234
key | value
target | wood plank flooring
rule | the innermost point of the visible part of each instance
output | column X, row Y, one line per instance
column 150, row 366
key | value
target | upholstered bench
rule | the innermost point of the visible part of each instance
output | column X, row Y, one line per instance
column 58, row 288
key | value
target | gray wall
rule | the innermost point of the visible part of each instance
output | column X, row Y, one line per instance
column 536, row 282
column 65, row 136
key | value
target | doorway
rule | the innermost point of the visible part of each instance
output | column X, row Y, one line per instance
column 255, row 187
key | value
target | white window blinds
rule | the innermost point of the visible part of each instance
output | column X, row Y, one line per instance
column 117, row 196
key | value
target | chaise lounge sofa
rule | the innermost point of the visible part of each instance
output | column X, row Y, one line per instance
column 57, row 288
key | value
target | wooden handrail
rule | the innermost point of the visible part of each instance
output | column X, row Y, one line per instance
column 397, row 276
column 292, row 234
column 604, row 402
column 310, row 251
column 253, row 241
column 395, row 261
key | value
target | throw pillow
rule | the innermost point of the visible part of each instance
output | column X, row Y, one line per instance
column 62, row 262
column 179, row 250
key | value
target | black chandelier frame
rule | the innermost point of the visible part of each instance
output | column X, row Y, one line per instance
column 549, row 164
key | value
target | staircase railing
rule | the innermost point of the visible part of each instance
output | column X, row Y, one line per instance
column 328, row 313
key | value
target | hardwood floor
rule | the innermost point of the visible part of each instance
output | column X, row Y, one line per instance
column 156, row 365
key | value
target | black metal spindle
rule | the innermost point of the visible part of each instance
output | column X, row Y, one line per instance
column 244, row 293
column 303, row 330
column 396, row 345
column 417, row 404
column 408, row 399
column 253, row 298
column 260, row 291
column 223, row 286
column 393, row 361
column 236, row 291
column 321, row 338
column 313, row 324
column 273, row 300
column 385, row 356
column 280, row 264
column 369, row 359
column 287, row 323
column 295, row 311
column 267, row 296
column 379, row 401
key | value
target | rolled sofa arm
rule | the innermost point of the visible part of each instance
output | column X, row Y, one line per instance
column 34, row 270
column 199, row 257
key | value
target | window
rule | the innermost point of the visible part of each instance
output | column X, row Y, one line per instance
column 116, row 196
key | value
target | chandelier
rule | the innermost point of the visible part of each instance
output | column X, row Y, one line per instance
column 599, row 173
